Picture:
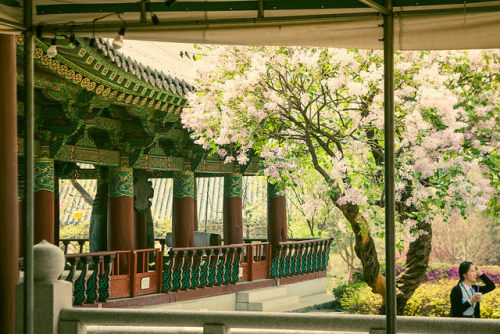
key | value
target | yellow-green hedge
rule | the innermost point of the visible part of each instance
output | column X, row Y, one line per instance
column 431, row 299
column 360, row 300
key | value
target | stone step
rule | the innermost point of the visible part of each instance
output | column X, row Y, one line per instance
column 258, row 294
column 317, row 301
column 275, row 304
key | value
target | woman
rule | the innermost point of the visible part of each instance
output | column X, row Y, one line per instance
column 465, row 296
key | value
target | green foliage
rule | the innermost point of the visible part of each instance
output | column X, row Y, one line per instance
column 78, row 230
column 75, row 231
column 297, row 229
column 359, row 298
column 162, row 227
column 490, row 304
column 431, row 299
column 254, row 219
column 340, row 290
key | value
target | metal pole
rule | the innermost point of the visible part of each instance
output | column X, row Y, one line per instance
column 143, row 18
column 57, row 215
column 390, row 265
column 29, row 145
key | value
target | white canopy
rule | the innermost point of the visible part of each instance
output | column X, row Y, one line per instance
column 419, row 24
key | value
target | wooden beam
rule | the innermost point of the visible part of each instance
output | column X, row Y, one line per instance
column 375, row 5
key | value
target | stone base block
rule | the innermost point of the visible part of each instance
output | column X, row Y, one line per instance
column 50, row 297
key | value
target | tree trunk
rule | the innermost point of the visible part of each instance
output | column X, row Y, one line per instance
column 365, row 249
column 417, row 261
column 86, row 196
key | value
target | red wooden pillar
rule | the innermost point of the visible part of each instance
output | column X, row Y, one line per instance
column 183, row 208
column 121, row 207
column 8, row 183
column 196, row 227
column 276, row 215
column 44, row 195
column 233, row 216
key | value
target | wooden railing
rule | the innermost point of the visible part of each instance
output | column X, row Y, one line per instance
column 200, row 267
column 100, row 276
column 255, row 264
column 300, row 257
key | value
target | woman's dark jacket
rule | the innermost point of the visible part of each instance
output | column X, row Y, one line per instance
column 457, row 308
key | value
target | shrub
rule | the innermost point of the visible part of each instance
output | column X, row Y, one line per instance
column 360, row 299
column 490, row 305
column 431, row 299
column 340, row 290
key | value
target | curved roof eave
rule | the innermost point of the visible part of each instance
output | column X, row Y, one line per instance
column 113, row 77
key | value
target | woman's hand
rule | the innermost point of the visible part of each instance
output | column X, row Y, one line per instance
column 478, row 272
column 475, row 299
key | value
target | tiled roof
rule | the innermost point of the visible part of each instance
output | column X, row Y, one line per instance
column 137, row 58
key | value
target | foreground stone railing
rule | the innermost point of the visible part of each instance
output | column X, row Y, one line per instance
column 74, row 321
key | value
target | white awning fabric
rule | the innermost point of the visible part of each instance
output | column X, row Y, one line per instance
column 453, row 25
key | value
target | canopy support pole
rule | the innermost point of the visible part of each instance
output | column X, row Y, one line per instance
column 390, row 264
column 29, row 152
column 378, row 7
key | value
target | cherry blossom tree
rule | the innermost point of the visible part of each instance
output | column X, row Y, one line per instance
column 310, row 204
column 300, row 108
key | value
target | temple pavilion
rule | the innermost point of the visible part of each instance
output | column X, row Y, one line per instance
column 103, row 115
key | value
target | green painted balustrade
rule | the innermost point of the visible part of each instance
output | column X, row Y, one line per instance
column 300, row 257
column 200, row 267
column 100, row 276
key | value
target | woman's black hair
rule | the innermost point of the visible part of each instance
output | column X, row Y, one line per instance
column 463, row 268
